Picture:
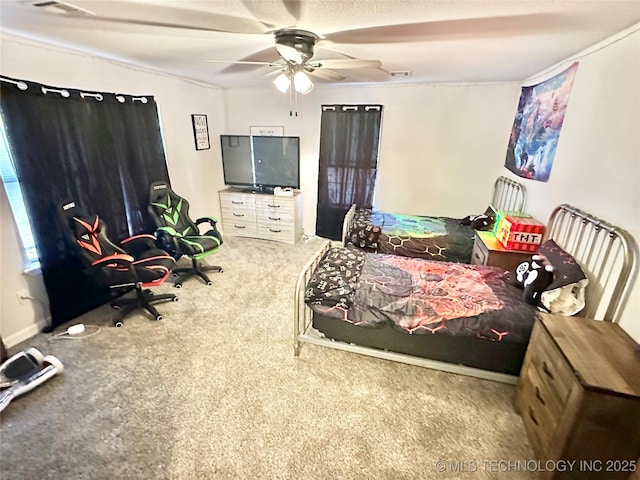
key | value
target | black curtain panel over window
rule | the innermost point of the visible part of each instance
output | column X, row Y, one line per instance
column 101, row 150
column 349, row 141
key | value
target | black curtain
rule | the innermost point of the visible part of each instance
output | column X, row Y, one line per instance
column 100, row 150
column 349, row 141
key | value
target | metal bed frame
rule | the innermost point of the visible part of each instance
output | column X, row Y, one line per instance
column 507, row 195
column 603, row 251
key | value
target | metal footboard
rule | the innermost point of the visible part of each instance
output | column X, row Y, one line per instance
column 346, row 223
column 302, row 314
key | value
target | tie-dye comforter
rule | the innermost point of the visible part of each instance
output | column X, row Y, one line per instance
column 419, row 296
column 433, row 238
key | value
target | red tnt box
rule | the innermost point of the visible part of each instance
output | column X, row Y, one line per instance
column 502, row 214
column 520, row 233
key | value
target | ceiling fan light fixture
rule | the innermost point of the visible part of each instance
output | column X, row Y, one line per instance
column 282, row 83
column 290, row 54
column 302, row 83
column 295, row 46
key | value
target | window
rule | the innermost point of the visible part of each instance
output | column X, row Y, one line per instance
column 14, row 193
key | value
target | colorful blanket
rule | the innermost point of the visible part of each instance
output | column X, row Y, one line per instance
column 433, row 238
column 419, row 296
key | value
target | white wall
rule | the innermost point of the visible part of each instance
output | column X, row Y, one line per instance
column 597, row 164
column 437, row 141
column 196, row 174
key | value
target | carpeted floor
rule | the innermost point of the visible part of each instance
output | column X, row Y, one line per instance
column 214, row 391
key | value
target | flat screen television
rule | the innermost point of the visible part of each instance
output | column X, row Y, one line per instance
column 260, row 163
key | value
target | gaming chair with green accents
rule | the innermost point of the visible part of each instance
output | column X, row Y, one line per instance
column 179, row 235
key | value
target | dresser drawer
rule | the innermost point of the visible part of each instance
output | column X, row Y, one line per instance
column 539, row 418
column 239, row 227
column 279, row 233
column 237, row 202
column 273, row 216
column 238, row 215
column 275, row 204
column 479, row 253
column 555, row 374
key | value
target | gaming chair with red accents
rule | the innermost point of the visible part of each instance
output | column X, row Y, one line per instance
column 136, row 263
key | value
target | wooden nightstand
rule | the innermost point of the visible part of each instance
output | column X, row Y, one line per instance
column 579, row 397
column 487, row 250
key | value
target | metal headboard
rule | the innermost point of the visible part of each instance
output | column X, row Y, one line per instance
column 603, row 251
column 509, row 195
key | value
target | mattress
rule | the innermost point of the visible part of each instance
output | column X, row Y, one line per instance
column 458, row 313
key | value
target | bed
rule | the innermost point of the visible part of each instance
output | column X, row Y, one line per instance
column 419, row 236
column 383, row 305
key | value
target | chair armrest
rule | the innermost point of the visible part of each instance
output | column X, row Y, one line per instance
column 119, row 259
column 211, row 220
column 138, row 244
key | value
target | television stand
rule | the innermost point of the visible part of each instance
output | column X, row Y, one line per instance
column 250, row 213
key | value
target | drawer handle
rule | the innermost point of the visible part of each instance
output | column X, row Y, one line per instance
column 533, row 417
column 277, row 219
column 273, row 206
column 237, row 203
column 539, row 396
column 274, row 231
column 547, row 371
column 238, row 214
column 477, row 256
column 240, row 226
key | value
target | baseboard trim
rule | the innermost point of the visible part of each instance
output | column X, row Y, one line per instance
column 24, row 334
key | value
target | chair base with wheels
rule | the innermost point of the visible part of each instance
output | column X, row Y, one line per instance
column 196, row 269
column 144, row 299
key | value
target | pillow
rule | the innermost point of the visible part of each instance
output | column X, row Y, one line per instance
column 565, row 294
column 552, row 280
column 567, row 271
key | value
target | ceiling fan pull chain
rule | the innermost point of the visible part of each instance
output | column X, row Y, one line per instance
column 291, row 102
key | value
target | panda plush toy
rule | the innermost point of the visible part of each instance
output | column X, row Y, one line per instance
column 478, row 222
column 533, row 277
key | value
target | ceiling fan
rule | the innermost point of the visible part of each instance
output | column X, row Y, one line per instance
column 293, row 58
column 296, row 49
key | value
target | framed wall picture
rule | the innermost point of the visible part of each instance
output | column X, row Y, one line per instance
column 200, row 131
column 266, row 131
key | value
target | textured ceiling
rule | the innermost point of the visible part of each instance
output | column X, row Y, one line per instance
column 437, row 41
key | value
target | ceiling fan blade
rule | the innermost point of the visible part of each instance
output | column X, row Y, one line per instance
column 369, row 75
column 267, row 57
column 344, row 63
column 154, row 15
column 273, row 73
column 262, row 9
column 294, row 8
column 325, row 74
column 241, row 62
column 450, row 29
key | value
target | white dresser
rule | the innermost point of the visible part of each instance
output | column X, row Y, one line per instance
column 259, row 215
